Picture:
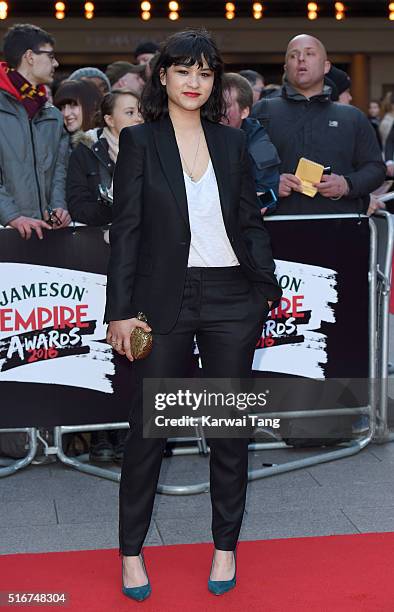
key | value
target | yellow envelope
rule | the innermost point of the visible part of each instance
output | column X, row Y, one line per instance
column 309, row 172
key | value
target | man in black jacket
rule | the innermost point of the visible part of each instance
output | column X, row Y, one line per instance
column 304, row 122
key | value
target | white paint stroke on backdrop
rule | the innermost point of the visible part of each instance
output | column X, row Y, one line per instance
column 318, row 285
column 88, row 371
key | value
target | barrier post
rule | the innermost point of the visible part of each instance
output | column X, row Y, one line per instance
column 384, row 224
column 12, row 466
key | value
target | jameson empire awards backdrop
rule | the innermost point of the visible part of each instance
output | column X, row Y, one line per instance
column 56, row 368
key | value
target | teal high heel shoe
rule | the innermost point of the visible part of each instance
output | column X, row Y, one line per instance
column 218, row 587
column 137, row 593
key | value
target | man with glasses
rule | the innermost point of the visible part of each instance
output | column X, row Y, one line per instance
column 33, row 142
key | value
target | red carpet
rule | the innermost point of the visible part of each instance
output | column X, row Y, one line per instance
column 326, row 574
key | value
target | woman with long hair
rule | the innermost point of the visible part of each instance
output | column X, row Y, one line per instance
column 189, row 249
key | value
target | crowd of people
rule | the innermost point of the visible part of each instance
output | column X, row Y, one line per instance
column 59, row 145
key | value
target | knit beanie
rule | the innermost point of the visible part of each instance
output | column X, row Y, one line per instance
column 340, row 79
column 89, row 72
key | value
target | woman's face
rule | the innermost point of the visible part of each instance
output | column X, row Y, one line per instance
column 72, row 113
column 125, row 114
column 373, row 109
column 188, row 87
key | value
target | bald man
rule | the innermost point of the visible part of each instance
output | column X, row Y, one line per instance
column 305, row 122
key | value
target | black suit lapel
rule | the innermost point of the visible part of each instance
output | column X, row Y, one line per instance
column 217, row 146
column 172, row 166
column 170, row 160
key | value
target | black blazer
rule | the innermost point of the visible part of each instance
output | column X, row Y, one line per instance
column 150, row 234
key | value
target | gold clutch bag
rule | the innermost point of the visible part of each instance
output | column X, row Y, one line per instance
column 140, row 340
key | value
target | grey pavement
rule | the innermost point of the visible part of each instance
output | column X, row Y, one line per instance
column 55, row 508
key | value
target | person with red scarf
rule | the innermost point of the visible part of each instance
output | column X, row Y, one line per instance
column 33, row 142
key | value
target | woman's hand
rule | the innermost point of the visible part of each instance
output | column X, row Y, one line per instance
column 118, row 335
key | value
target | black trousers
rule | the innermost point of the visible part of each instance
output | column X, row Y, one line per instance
column 226, row 313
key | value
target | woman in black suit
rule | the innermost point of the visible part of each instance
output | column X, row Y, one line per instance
column 189, row 249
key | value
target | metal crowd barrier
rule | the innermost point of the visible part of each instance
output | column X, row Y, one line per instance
column 381, row 248
column 385, row 229
column 11, row 465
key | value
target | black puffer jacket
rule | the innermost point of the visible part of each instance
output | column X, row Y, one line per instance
column 329, row 133
column 89, row 166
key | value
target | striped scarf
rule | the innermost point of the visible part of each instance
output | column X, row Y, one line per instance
column 33, row 98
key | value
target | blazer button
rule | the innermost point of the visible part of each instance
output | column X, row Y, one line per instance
column 182, row 243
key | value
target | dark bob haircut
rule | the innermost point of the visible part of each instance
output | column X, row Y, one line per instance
column 84, row 93
column 184, row 48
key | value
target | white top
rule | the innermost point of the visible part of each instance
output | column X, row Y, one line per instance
column 210, row 246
